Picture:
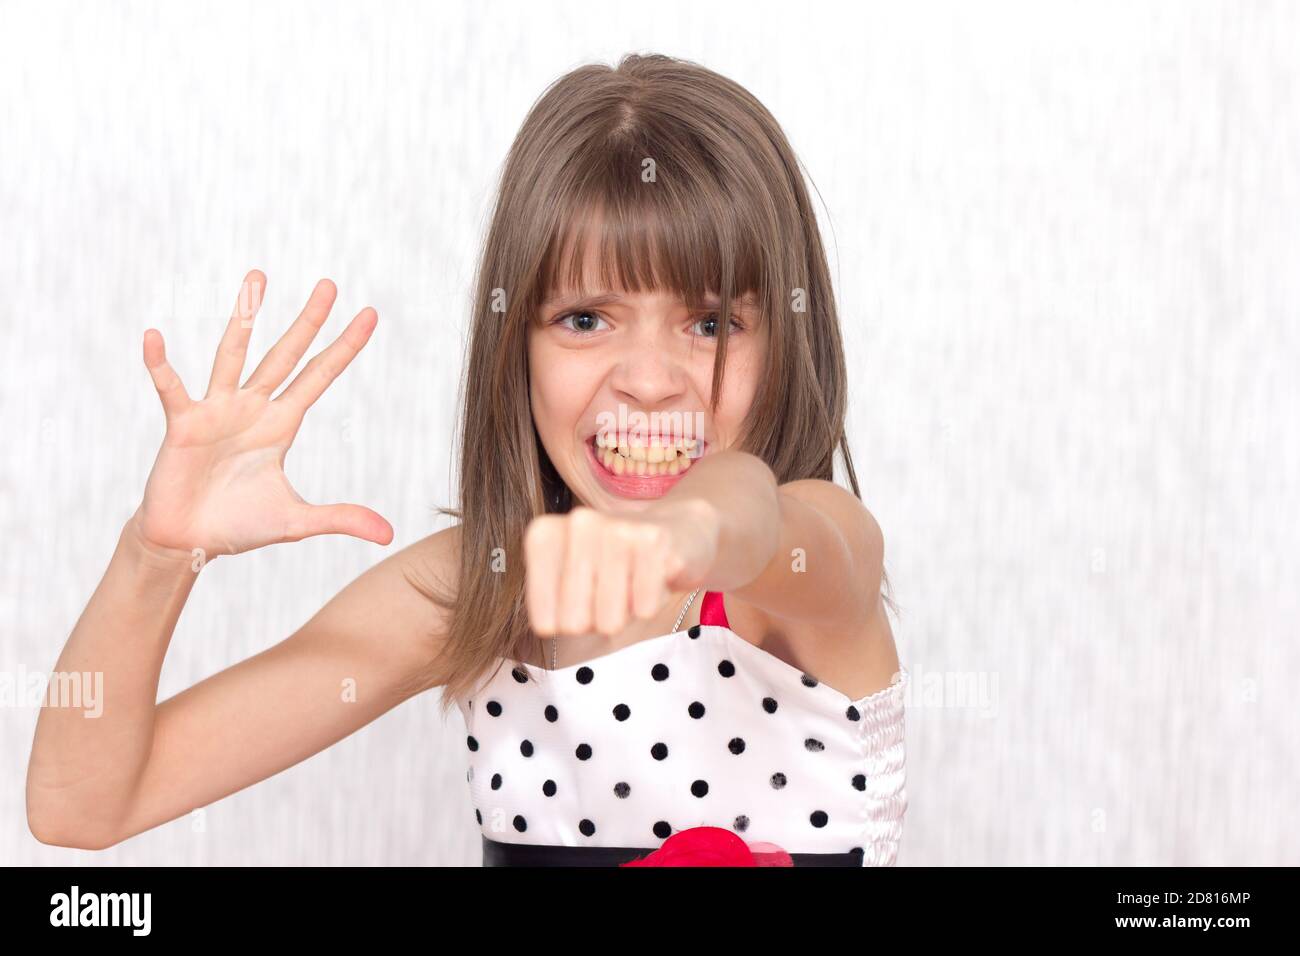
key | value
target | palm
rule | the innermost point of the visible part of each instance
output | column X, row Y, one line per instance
column 218, row 483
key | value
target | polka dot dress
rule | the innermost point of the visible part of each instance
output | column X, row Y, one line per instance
column 694, row 728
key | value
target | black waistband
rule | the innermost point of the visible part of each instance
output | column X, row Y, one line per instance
column 497, row 853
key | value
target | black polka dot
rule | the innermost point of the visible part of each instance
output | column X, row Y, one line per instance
column 662, row 830
column 741, row 824
column 700, row 788
column 696, row 710
column 526, row 748
column 859, row 781
column 659, row 751
column 622, row 712
column 585, row 675
column 858, row 852
column 621, row 790
column 478, row 816
column 808, row 680
column 549, row 788
column 659, row 672
column 586, row 827
column 551, row 713
column 583, row 752
column 852, row 713
column 818, row 818
column 815, row 745
column 778, row 781
column 520, row 675
column 469, row 774
column 693, row 631
column 520, row 824
column 726, row 669
column 471, row 742
column 769, row 705
column 736, row 745
column 494, row 708
column 496, row 781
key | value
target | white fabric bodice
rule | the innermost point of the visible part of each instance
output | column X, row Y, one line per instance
column 694, row 728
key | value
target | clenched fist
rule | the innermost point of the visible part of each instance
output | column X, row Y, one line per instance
column 589, row 572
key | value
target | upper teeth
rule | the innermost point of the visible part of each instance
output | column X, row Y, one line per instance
column 633, row 455
column 636, row 448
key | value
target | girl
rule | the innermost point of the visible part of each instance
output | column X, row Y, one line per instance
column 656, row 612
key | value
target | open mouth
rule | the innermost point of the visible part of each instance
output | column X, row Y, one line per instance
column 639, row 457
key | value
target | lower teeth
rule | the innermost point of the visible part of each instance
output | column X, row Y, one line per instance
column 620, row 465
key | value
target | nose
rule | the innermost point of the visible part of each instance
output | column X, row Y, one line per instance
column 648, row 372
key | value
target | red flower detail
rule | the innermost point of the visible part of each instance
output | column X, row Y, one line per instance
column 712, row 846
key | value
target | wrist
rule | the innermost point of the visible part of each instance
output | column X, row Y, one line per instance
column 692, row 515
column 695, row 528
column 149, row 555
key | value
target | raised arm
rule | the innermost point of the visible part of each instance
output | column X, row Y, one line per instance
column 343, row 668
column 218, row 488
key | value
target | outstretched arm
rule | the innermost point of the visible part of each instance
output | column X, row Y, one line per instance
column 806, row 554
column 806, row 551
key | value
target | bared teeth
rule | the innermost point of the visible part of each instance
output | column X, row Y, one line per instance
column 636, row 448
column 678, row 460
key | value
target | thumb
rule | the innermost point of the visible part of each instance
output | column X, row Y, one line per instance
column 355, row 520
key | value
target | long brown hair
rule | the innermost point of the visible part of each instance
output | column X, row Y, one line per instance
column 682, row 182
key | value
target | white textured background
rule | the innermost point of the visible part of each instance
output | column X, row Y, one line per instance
column 1065, row 240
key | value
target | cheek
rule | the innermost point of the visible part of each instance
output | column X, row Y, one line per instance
column 556, row 391
column 737, row 399
column 739, row 388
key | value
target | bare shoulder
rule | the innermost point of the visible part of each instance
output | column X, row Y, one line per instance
column 389, row 608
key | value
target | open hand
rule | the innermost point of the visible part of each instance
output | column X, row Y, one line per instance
column 218, row 483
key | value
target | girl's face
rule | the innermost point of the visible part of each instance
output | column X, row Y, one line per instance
column 615, row 361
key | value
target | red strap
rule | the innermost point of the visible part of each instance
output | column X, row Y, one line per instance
column 712, row 611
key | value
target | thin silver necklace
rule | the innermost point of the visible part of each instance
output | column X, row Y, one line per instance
column 555, row 641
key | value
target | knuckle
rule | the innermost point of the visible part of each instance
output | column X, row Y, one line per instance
column 585, row 523
column 532, row 534
column 613, row 546
column 541, row 531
